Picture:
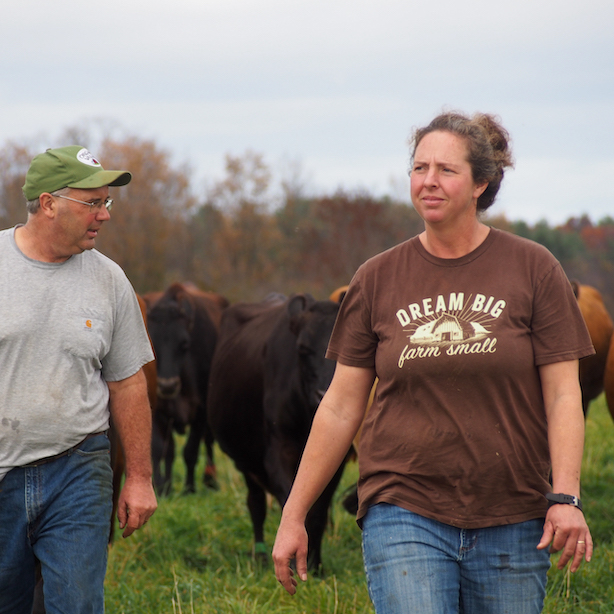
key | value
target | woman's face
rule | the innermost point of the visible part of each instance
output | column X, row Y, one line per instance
column 442, row 188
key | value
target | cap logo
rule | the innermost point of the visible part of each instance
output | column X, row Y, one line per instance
column 87, row 158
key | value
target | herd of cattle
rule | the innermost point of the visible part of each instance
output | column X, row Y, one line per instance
column 251, row 375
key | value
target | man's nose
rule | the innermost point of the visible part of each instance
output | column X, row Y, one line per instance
column 103, row 214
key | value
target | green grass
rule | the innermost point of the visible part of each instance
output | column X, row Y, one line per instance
column 195, row 554
column 591, row 588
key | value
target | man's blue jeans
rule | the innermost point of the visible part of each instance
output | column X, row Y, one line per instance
column 60, row 513
column 415, row 564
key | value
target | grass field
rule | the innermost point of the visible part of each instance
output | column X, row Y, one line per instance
column 194, row 556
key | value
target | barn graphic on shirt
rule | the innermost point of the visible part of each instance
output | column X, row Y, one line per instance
column 448, row 328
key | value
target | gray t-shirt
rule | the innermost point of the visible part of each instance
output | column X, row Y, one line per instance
column 65, row 329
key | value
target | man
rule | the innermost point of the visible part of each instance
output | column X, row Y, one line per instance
column 72, row 347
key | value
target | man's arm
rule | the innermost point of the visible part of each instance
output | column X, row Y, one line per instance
column 131, row 416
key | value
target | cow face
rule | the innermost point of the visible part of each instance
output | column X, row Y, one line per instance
column 169, row 328
column 312, row 322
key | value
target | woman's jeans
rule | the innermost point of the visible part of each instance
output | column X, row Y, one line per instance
column 415, row 564
column 60, row 513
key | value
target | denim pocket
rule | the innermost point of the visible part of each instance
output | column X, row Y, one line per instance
column 98, row 445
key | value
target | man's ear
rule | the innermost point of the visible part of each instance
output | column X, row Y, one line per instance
column 48, row 204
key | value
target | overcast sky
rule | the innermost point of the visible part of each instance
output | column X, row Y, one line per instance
column 335, row 85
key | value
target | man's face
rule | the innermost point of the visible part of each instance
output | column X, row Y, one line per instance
column 77, row 225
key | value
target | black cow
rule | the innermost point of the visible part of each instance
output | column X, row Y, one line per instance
column 183, row 326
column 268, row 376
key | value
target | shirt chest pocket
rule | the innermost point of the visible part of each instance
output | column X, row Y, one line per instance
column 84, row 337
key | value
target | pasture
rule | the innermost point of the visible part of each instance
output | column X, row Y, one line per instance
column 194, row 556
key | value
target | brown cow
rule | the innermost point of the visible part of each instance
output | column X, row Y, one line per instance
column 608, row 379
column 600, row 328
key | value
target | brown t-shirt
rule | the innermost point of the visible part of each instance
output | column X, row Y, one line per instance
column 457, row 431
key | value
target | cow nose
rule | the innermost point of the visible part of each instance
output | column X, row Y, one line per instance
column 169, row 387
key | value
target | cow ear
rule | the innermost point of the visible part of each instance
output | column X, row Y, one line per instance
column 296, row 308
column 296, row 305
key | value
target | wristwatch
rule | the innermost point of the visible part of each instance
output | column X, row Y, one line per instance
column 553, row 499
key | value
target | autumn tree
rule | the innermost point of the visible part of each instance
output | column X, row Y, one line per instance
column 328, row 238
column 14, row 162
column 252, row 236
column 247, row 182
column 147, row 233
column 236, row 237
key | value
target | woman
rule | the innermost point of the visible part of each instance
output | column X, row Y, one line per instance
column 475, row 337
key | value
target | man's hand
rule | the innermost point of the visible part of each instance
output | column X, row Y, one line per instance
column 137, row 503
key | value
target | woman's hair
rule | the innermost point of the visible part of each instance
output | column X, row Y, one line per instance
column 488, row 148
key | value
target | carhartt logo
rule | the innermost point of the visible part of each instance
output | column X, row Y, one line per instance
column 88, row 323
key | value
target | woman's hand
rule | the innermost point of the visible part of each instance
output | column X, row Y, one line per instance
column 566, row 529
column 290, row 544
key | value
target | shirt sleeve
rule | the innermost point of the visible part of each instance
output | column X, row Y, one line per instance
column 130, row 346
column 558, row 330
column 353, row 341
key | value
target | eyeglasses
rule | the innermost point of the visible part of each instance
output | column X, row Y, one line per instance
column 95, row 206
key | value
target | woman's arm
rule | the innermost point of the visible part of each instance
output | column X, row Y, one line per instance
column 565, row 527
column 336, row 422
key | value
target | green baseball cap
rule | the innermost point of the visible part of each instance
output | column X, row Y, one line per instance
column 69, row 167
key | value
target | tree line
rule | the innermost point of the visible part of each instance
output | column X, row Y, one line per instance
column 249, row 234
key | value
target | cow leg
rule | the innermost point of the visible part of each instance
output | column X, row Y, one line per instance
column 316, row 522
column 256, row 504
column 157, row 454
column 169, row 459
column 190, row 454
column 210, row 477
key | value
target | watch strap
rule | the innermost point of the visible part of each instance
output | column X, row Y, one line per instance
column 556, row 498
